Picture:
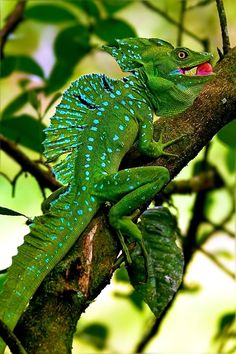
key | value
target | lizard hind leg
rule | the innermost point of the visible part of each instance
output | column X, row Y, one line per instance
column 129, row 189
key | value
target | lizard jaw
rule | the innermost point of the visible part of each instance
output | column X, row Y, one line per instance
column 197, row 70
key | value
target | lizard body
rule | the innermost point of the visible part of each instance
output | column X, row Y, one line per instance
column 95, row 124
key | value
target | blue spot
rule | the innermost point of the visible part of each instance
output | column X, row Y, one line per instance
column 121, row 127
column 96, row 121
column 118, row 92
column 127, row 118
column 94, row 129
column 105, row 103
column 87, row 165
column 84, row 188
column 144, row 126
column 99, row 113
column 90, row 139
column 92, row 199
column 90, row 147
column 109, row 150
column 112, row 95
column 123, row 102
column 53, row 237
column 115, row 137
column 103, row 164
column 67, row 206
column 90, row 209
column 131, row 96
column 87, row 173
column 80, row 212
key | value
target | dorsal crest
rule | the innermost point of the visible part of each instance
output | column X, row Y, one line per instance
column 132, row 53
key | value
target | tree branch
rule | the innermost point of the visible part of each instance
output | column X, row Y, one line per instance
column 44, row 178
column 61, row 293
column 223, row 26
column 12, row 22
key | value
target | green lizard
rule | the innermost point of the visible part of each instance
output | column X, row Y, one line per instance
column 95, row 124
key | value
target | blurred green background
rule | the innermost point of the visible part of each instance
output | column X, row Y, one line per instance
column 56, row 43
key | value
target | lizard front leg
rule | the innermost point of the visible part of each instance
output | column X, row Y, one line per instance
column 148, row 146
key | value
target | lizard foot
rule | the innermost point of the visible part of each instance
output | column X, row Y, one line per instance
column 162, row 146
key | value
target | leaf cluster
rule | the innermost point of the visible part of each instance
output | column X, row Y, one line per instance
column 79, row 26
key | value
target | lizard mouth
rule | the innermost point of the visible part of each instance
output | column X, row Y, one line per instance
column 197, row 70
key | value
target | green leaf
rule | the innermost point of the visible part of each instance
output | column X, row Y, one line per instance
column 121, row 275
column 20, row 63
column 226, row 321
column 89, row 7
column 136, row 300
column 52, row 101
column 49, row 13
column 72, row 44
column 165, row 260
column 59, row 76
column 33, row 99
column 10, row 212
column 230, row 160
column 112, row 28
column 24, row 130
column 113, row 6
column 7, row 66
column 96, row 334
column 228, row 134
column 15, row 105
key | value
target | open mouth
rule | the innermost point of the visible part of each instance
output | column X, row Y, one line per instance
column 198, row 70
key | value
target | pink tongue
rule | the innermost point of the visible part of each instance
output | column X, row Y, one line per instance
column 204, row 69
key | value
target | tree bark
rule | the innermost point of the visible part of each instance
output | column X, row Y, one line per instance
column 48, row 324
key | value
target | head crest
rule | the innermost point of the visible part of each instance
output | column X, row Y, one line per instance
column 132, row 53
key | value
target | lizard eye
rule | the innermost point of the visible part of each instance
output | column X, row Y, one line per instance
column 182, row 54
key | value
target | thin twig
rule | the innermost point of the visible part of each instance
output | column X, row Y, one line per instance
column 181, row 22
column 44, row 178
column 223, row 26
column 172, row 20
column 207, row 180
column 213, row 258
column 12, row 22
column 10, row 339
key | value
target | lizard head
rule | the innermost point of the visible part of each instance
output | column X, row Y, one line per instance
column 174, row 76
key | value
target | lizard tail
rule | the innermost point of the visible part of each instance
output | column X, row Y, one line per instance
column 50, row 238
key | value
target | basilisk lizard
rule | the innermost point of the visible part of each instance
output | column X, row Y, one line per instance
column 95, row 124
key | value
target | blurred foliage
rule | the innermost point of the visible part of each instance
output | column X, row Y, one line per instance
column 79, row 28
column 225, row 337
